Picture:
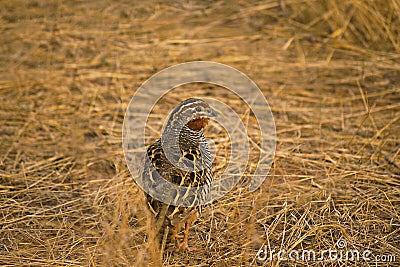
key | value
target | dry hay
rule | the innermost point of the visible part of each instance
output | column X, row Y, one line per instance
column 329, row 69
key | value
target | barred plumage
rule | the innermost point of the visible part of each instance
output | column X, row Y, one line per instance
column 185, row 124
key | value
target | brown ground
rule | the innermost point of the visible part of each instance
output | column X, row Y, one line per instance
column 329, row 69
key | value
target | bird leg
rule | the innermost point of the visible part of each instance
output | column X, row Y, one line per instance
column 184, row 244
column 175, row 231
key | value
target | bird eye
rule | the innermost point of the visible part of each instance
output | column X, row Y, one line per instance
column 198, row 109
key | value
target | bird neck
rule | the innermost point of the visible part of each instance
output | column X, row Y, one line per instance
column 187, row 135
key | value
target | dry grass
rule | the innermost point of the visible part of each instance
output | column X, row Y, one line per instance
column 329, row 69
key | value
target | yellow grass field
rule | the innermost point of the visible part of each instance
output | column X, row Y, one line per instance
column 329, row 69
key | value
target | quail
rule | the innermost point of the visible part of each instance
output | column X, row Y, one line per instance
column 185, row 123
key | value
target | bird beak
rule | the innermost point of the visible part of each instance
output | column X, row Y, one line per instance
column 213, row 114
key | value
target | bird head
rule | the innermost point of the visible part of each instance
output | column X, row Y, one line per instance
column 194, row 112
